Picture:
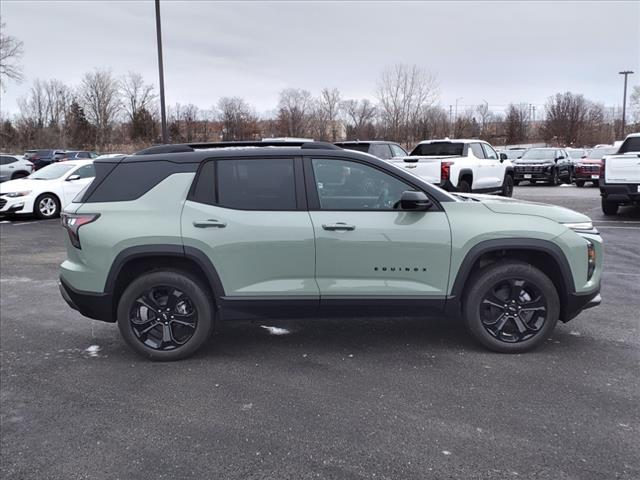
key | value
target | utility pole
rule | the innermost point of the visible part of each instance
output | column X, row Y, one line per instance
column 163, row 112
column 626, row 73
column 450, row 120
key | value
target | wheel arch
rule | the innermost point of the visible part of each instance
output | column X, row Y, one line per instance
column 134, row 261
column 542, row 254
column 465, row 173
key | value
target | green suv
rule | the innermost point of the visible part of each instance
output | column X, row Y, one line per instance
column 176, row 237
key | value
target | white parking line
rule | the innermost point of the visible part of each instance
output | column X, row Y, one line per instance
column 620, row 273
column 624, row 228
column 615, row 221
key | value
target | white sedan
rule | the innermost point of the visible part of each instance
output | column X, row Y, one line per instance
column 46, row 191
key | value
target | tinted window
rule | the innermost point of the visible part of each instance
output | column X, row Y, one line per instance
column 598, row 153
column 83, row 155
column 260, row 184
column 381, row 150
column 631, row 144
column 538, row 154
column 43, row 153
column 477, row 150
column 87, row 171
column 489, row 152
column 344, row 185
column 360, row 147
column 397, row 151
column 435, row 149
column 204, row 189
column 7, row 160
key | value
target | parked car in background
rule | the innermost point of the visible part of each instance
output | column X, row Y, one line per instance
column 588, row 168
column 460, row 166
column 175, row 238
column 550, row 165
column 76, row 155
column 575, row 154
column 42, row 158
column 13, row 167
column 511, row 154
column 620, row 176
column 47, row 190
column 378, row 148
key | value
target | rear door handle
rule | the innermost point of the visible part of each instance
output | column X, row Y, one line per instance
column 210, row 223
column 340, row 226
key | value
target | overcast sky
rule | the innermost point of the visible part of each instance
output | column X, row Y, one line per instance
column 495, row 51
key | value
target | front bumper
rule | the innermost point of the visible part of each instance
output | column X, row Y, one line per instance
column 532, row 173
column 98, row 306
column 623, row 193
column 16, row 205
column 577, row 302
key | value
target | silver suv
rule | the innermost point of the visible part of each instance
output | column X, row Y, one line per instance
column 13, row 167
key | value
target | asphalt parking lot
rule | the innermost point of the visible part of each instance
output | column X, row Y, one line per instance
column 389, row 399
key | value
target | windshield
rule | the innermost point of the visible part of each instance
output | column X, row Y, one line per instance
column 51, row 172
column 577, row 153
column 598, row 153
column 539, row 154
column 437, row 149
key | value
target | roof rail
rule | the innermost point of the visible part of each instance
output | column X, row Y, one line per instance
column 192, row 147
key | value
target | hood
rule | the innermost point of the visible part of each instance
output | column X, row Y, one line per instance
column 513, row 206
column 528, row 161
column 20, row 185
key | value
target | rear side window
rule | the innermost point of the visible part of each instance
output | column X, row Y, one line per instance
column 7, row 160
column 260, row 184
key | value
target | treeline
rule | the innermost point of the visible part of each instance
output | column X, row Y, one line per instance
column 108, row 113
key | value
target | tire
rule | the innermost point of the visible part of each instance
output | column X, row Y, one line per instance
column 18, row 175
column 609, row 207
column 464, row 186
column 554, row 181
column 46, row 206
column 151, row 330
column 595, row 183
column 570, row 177
column 536, row 309
column 579, row 183
column 532, row 182
column 516, row 183
column 507, row 186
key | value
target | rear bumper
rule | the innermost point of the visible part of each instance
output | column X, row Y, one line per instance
column 587, row 177
column 98, row 306
column 623, row 193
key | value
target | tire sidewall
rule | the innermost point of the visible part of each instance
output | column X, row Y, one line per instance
column 464, row 186
column 36, row 206
column 487, row 278
column 507, row 186
column 183, row 282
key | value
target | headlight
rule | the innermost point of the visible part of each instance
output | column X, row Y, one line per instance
column 16, row 194
column 582, row 227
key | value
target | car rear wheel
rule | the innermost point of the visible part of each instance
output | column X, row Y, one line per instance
column 511, row 307
column 609, row 207
column 46, row 206
column 165, row 315
column 464, row 186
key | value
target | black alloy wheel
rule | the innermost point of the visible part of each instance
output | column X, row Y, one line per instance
column 555, row 178
column 163, row 318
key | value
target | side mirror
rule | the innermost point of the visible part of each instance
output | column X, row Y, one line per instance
column 71, row 178
column 503, row 157
column 412, row 200
column 560, row 158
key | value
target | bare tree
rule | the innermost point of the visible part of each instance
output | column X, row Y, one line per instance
column 99, row 95
column 634, row 103
column 360, row 115
column 136, row 94
column 294, row 109
column 403, row 92
column 566, row 116
column 329, row 106
column 484, row 116
column 516, row 123
column 238, row 119
column 11, row 50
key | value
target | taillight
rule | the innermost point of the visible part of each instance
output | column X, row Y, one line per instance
column 72, row 223
column 602, row 168
column 445, row 171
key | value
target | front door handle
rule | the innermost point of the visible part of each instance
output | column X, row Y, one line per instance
column 340, row 226
column 211, row 223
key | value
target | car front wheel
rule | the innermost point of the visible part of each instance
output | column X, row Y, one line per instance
column 507, row 186
column 46, row 206
column 511, row 307
column 165, row 315
column 555, row 178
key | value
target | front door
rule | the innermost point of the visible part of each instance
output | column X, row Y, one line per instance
column 75, row 181
column 367, row 248
column 494, row 168
column 246, row 216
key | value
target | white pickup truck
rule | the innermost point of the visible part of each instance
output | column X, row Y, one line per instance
column 620, row 176
column 460, row 166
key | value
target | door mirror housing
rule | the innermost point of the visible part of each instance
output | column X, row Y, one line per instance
column 503, row 157
column 412, row 200
column 71, row 178
column 560, row 158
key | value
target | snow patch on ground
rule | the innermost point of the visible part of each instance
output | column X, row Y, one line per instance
column 246, row 406
column 93, row 350
column 446, row 452
column 16, row 279
column 575, row 333
column 566, row 185
column 275, row 330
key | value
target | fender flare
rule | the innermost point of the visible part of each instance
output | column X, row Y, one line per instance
column 462, row 173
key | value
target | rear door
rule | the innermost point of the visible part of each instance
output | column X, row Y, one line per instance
column 366, row 247
column 248, row 216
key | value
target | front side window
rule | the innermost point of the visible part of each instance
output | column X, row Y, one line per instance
column 346, row 185
column 86, row 171
column 397, row 151
column 477, row 150
column 381, row 150
column 260, row 184
column 489, row 152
